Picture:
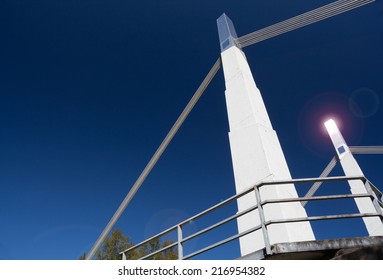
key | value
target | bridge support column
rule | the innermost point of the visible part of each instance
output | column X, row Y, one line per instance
column 256, row 152
column 351, row 168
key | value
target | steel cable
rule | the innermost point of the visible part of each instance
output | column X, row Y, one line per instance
column 302, row 20
column 299, row 21
column 355, row 150
column 288, row 22
column 324, row 174
column 155, row 157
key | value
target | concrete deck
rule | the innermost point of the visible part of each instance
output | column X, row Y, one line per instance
column 360, row 248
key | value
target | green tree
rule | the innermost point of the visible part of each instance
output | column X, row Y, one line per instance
column 154, row 245
column 169, row 254
column 82, row 257
column 113, row 245
column 117, row 242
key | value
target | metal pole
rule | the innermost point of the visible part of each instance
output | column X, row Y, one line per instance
column 156, row 157
column 180, row 248
column 262, row 220
column 374, row 200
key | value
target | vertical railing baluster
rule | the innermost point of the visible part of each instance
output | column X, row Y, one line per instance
column 179, row 241
column 262, row 220
column 374, row 199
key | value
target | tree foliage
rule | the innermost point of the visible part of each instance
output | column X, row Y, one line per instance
column 154, row 245
column 113, row 245
column 82, row 257
column 117, row 242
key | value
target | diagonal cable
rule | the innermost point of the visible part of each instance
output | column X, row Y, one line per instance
column 324, row 174
column 156, row 157
column 299, row 21
column 313, row 16
column 355, row 150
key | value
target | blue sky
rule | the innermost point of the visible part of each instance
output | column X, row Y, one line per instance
column 88, row 90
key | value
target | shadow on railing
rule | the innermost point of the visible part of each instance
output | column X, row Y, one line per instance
column 175, row 248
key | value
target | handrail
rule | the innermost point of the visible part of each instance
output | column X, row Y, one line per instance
column 324, row 217
column 158, row 251
column 263, row 224
column 220, row 223
column 149, row 239
column 233, row 237
column 314, row 198
column 376, row 191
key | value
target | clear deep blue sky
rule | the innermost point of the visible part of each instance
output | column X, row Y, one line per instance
column 88, row 90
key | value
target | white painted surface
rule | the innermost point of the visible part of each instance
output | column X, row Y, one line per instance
column 257, row 156
column 351, row 168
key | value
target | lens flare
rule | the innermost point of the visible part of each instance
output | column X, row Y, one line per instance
column 331, row 126
column 364, row 102
column 318, row 110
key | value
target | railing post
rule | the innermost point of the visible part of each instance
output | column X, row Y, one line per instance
column 179, row 241
column 262, row 220
column 374, row 199
column 123, row 256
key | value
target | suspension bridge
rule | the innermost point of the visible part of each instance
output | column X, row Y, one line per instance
column 271, row 218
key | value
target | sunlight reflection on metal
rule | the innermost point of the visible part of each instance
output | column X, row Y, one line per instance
column 336, row 137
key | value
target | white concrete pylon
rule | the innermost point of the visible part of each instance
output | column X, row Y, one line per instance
column 256, row 152
column 351, row 169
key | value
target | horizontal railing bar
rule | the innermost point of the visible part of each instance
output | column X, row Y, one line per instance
column 371, row 150
column 324, row 197
column 150, row 238
column 328, row 197
column 329, row 217
column 219, row 205
column 159, row 251
column 318, row 218
column 250, row 189
column 310, row 180
column 219, row 223
column 233, row 237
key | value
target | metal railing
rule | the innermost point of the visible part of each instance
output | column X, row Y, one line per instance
column 371, row 192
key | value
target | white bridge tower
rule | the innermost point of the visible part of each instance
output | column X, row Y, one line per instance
column 256, row 152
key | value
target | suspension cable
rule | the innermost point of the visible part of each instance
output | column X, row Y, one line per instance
column 302, row 20
column 299, row 21
column 355, row 150
column 209, row 77
column 324, row 174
